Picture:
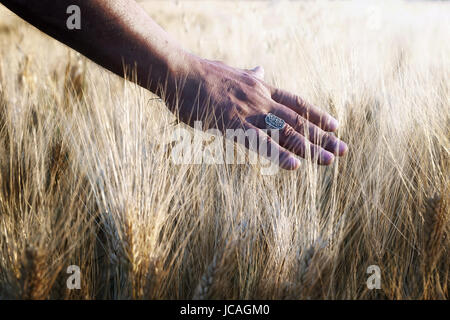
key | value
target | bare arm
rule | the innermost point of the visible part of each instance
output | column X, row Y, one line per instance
column 113, row 34
column 117, row 34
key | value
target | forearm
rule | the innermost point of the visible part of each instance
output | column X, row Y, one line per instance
column 115, row 34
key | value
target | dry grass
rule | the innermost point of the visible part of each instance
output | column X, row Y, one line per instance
column 85, row 179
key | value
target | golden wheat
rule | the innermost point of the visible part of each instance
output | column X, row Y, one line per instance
column 86, row 177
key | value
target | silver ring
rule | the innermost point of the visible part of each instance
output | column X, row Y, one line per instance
column 273, row 122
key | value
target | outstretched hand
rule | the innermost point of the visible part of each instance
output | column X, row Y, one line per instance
column 223, row 97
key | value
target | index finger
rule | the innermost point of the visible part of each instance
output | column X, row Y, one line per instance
column 306, row 110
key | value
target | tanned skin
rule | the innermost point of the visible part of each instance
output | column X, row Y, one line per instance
column 119, row 35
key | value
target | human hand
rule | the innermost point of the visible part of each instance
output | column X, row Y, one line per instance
column 224, row 97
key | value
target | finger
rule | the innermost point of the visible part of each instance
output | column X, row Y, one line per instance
column 298, row 144
column 257, row 140
column 258, row 72
column 293, row 141
column 306, row 110
column 312, row 132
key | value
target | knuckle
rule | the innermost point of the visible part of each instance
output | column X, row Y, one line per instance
column 330, row 140
column 277, row 94
column 293, row 141
column 260, row 87
column 250, row 80
column 289, row 133
column 315, row 132
column 300, row 102
column 299, row 123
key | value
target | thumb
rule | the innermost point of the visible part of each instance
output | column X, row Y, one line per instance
column 258, row 72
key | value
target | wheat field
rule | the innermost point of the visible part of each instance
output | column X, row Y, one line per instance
column 86, row 177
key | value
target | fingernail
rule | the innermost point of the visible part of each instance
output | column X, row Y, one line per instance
column 343, row 148
column 333, row 124
column 326, row 158
column 294, row 163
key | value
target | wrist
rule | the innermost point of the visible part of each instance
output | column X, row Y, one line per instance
column 182, row 64
column 179, row 67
